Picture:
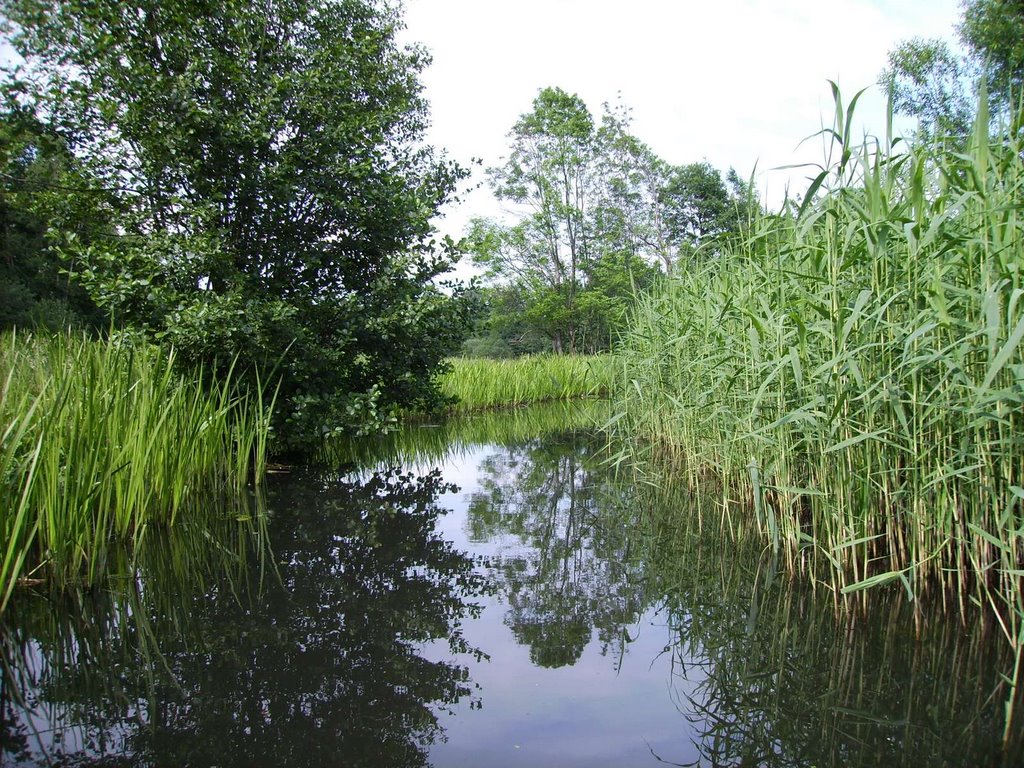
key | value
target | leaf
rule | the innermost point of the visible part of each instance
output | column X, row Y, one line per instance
column 857, row 439
column 1005, row 353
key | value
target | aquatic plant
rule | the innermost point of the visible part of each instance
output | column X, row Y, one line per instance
column 102, row 441
column 478, row 383
column 851, row 374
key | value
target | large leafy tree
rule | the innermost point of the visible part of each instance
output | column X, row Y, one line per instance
column 698, row 206
column 274, row 195
column 547, row 175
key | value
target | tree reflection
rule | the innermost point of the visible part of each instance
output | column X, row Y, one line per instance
column 319, row 667
column 570, row 570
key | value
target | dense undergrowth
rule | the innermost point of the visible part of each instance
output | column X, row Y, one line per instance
column 101, row 441
column 851, row 375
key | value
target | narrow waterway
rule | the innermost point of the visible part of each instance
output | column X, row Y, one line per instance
column 486, row 593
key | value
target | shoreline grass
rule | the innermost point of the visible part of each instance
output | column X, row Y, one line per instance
column 101, row 441
column 851, row 377
column 483, row 383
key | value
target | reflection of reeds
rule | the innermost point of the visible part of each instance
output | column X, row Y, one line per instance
column 83, row 661
column 480, row 383
column 417, row 443
column 865, row 357
column 773, row 674
column 102, row 441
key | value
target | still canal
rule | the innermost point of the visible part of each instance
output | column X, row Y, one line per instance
column 488, row 592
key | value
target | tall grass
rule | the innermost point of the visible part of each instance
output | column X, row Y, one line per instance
column 102, row 441
column 853, row 374
column 480, row 383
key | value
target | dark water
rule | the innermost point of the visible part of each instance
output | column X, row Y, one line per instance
column 498, row 598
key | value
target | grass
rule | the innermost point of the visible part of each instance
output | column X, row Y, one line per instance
column 481, row 383
column 850, row 378
column 102, row 441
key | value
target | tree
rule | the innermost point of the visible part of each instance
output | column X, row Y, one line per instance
column 926, row 79
column 547, row 173
column 993, row 31
column 697, row 206
column 274, row 195
column 613, row 281
column 589, row 223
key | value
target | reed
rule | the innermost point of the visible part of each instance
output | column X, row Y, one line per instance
column 852, row 373
column 481, row 383
column 102, row 441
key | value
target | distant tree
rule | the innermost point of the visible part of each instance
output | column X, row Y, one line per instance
column 273, row 191
column 993, row 31
column 613, row 282
column 590, row 224
column 697, row 205
column 927, row 79
column 626, row 217
column 547, row 174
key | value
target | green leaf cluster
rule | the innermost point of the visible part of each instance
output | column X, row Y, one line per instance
column 930, row 80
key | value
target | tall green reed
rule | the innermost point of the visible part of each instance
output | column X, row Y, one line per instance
column 101, row 442
column 853, row 371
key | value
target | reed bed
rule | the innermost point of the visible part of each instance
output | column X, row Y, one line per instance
column 101, row 441
column 482, row 383
column 852, row 376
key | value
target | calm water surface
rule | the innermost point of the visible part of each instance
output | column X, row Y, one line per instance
column 485, row 593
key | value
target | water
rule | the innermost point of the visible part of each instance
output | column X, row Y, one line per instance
column 497, row 599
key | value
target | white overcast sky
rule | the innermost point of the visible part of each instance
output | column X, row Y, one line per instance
column 733, row 82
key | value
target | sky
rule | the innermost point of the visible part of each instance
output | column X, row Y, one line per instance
column 738, row 83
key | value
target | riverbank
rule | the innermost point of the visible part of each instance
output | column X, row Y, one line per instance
column 850, row 377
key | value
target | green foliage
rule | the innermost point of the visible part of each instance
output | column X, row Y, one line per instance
column 272, row 192
column 925, row 78
column 853, row 374
column 928, row 80
column 598, row 210
column 993, row 30
column 35, row 164
column 697, row 204
column 101, row 441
